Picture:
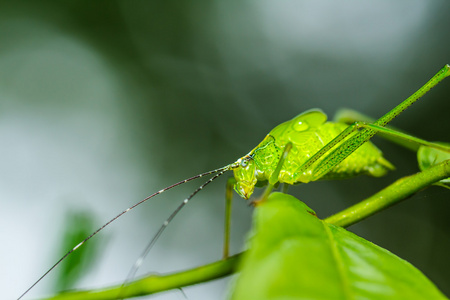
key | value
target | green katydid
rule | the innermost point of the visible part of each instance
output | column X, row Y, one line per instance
column 316, row 150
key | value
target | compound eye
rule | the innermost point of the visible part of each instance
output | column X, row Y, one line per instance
column 244, row 162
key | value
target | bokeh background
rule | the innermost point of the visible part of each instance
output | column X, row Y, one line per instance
column 105, row 102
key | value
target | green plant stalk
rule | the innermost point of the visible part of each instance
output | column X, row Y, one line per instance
column 394, row 193
column 157, row 283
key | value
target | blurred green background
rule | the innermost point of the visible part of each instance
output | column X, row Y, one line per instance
column 103, row 103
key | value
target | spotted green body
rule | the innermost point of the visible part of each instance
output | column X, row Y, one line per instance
column 308, row 133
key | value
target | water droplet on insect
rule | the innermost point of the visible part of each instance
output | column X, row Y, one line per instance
column 301, row 126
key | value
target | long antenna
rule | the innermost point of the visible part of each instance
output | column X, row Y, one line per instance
column 221, row 170
column 161, row 229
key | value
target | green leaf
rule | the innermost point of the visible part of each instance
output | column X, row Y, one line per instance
column 294, row 255
column 79, row 224
column 428, row 157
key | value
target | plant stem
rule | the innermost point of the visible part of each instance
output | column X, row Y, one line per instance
column 157, row 283
column 394, row 193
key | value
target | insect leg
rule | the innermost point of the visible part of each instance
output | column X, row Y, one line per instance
column 401, row 135
column 390, row 133
column 285, row 187
column 274, row 177
column 306, row 167
column 228, row 201
column 347, row 147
